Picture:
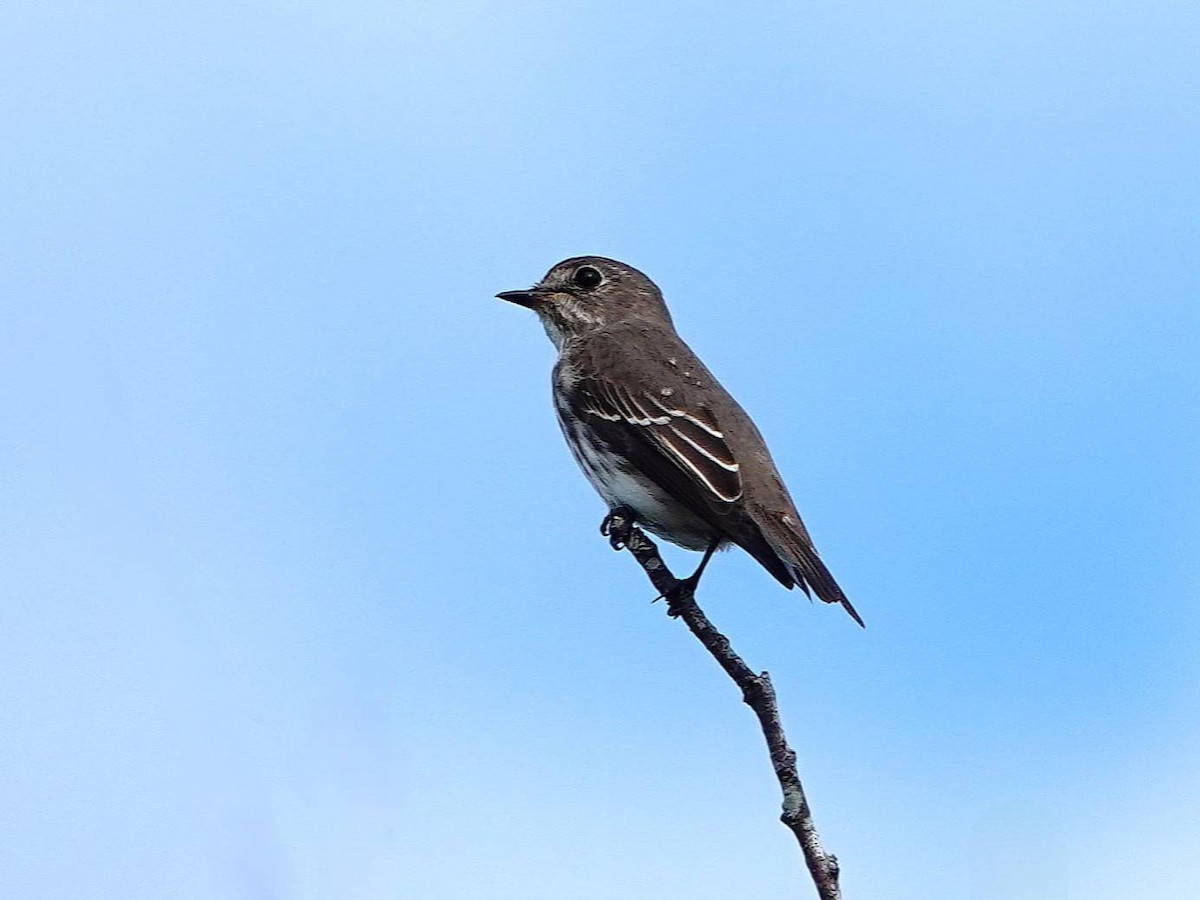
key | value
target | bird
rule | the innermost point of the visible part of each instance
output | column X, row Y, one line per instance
column 654, row 431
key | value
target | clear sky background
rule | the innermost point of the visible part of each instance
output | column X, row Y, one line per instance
column 302, row 596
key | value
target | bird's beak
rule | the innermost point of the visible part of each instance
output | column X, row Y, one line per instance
column 529, row 299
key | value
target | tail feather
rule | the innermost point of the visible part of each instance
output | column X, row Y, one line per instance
column 813, row 572
column 764, row 551
column 795, row 547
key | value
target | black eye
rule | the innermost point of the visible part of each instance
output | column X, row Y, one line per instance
column 587, row 278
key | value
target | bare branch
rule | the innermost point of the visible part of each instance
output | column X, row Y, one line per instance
column 757, row 692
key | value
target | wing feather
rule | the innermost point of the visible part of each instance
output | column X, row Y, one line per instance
column 689, row 438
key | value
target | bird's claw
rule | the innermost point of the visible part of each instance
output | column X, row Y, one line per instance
column 617, row 527
column 677, row 596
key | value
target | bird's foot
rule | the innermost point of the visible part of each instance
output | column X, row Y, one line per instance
column 618, row 527
column 681, row 594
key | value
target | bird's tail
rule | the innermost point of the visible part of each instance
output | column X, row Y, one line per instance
column 791, row 541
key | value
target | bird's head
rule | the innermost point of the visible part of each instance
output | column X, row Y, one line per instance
column 589, row 292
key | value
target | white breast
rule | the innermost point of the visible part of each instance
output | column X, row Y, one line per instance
column 620, row 485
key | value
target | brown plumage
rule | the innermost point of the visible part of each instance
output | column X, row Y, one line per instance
column 653, row 429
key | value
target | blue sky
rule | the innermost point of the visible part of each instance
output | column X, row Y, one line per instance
column 302, row 596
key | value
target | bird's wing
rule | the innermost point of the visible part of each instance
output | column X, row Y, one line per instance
column 689, row 438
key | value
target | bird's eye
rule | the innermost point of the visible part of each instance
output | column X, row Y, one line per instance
column 587, row 277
